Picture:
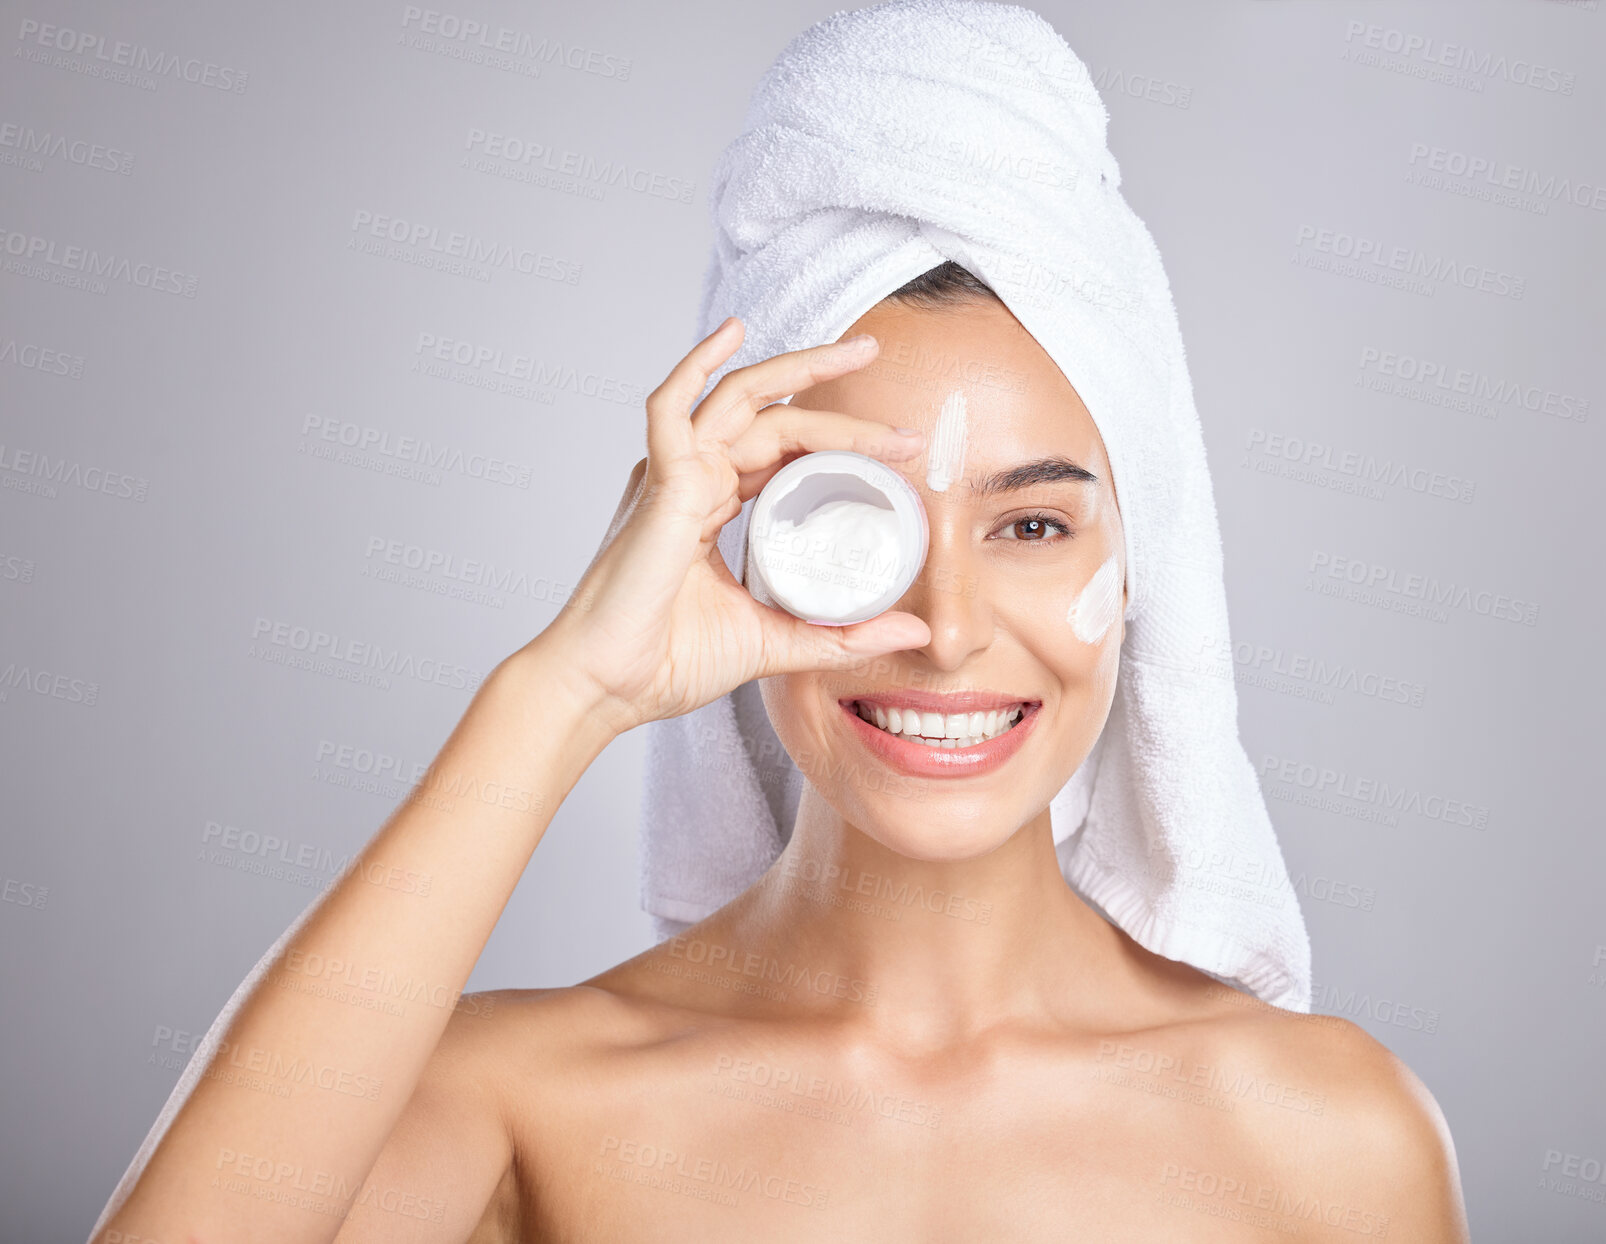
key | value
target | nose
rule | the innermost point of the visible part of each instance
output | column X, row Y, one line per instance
column 951, row 598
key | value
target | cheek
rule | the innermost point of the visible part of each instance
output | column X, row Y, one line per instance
column 1096, row 607
column 791, row 710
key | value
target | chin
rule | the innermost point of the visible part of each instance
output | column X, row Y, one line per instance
column 940, row 829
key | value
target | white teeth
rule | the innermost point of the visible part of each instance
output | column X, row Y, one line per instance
column 953, row 730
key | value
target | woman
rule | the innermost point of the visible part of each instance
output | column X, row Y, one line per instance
column 1004, row 1064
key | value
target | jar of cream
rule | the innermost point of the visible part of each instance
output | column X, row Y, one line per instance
column 835, row 537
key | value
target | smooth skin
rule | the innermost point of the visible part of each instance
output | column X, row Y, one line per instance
column 819, row 1059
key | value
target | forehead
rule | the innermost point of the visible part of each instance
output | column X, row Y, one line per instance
column 1018, row 404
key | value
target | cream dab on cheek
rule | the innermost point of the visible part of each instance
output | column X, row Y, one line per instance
column 1094, row 610
column 946, row 460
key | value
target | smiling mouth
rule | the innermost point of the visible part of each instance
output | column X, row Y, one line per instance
column 949, row 731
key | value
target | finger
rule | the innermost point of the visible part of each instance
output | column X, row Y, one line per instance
column 718, row 519
column 728, row 410
column 792, row 646
column 669, row 405
column 781, row 430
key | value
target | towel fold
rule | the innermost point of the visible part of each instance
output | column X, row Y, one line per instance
column 882, row 142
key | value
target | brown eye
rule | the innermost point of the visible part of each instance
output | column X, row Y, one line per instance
column 1038, row 528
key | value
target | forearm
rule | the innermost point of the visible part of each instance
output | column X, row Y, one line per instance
column 358, row 1000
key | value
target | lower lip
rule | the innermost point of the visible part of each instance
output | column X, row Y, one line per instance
column 918, row 760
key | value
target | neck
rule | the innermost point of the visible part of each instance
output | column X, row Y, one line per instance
column 948, row 948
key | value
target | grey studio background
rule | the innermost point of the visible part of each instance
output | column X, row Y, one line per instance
column 1383, row 225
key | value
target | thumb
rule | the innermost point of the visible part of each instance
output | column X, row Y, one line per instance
column 793, row 646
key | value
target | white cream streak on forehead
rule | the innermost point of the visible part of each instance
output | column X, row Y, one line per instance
column 1095, row 608
column 945, row 461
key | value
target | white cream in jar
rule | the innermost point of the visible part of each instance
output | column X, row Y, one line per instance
column 835, row 538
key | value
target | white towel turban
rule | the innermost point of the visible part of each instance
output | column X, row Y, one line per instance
column 882, row 142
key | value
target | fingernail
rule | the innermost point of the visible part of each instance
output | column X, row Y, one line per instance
column 861, row 342
column 907, row 431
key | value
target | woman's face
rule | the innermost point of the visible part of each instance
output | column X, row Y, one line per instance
column 1023, row 589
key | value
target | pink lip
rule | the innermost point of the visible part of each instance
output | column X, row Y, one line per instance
column 918, row 760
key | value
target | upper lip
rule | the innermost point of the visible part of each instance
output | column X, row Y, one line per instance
column 948, row 702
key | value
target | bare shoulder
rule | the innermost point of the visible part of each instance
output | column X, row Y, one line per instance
column 511, row 1027
column 527, row 1035
column 1356, row 1120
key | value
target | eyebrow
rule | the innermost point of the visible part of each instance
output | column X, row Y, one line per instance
column 1043, row 471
